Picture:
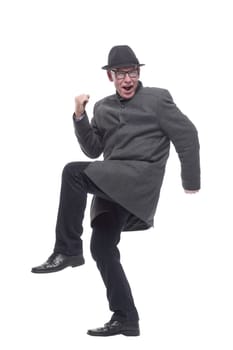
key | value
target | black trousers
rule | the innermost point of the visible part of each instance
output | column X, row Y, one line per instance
column 105, row 237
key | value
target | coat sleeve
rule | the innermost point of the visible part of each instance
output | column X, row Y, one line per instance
column 184, row 136
column 89, row 137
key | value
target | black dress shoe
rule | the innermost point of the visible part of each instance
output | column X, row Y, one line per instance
column 116, row 327
column 57, row 262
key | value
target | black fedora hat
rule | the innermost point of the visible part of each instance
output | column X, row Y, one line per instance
column 121, row 56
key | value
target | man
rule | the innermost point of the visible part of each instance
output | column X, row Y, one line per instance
column 133, row 129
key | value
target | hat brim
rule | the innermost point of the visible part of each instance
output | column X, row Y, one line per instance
column 107, row 67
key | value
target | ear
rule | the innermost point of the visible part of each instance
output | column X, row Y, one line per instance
column 109, row 73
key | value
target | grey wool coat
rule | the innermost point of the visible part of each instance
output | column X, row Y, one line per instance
column 134, row 136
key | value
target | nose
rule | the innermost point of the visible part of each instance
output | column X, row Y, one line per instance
column 127, row 77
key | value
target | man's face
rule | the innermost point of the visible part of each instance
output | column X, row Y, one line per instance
column 125, row 80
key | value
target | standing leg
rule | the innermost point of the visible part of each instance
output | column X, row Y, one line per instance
column 105, row 238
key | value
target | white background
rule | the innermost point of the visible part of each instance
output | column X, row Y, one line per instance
column 181, row 270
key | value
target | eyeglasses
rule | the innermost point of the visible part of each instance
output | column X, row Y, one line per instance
column 122, row 74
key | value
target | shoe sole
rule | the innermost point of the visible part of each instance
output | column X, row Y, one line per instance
column 127, row 333
column 131, row 333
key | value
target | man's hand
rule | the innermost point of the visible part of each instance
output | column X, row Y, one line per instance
column 191, row 191
column 80, row 104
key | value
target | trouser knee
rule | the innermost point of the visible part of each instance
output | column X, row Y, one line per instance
column 103, row 250
column 101, row 253
column 73, row 169
column 96, row 251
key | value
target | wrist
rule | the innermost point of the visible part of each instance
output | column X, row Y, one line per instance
column 78, row 113
column 78, row 117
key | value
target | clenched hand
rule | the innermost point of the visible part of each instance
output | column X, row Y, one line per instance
column 80, row 104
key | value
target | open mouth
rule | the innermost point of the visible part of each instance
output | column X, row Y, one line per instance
column 128, row 88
